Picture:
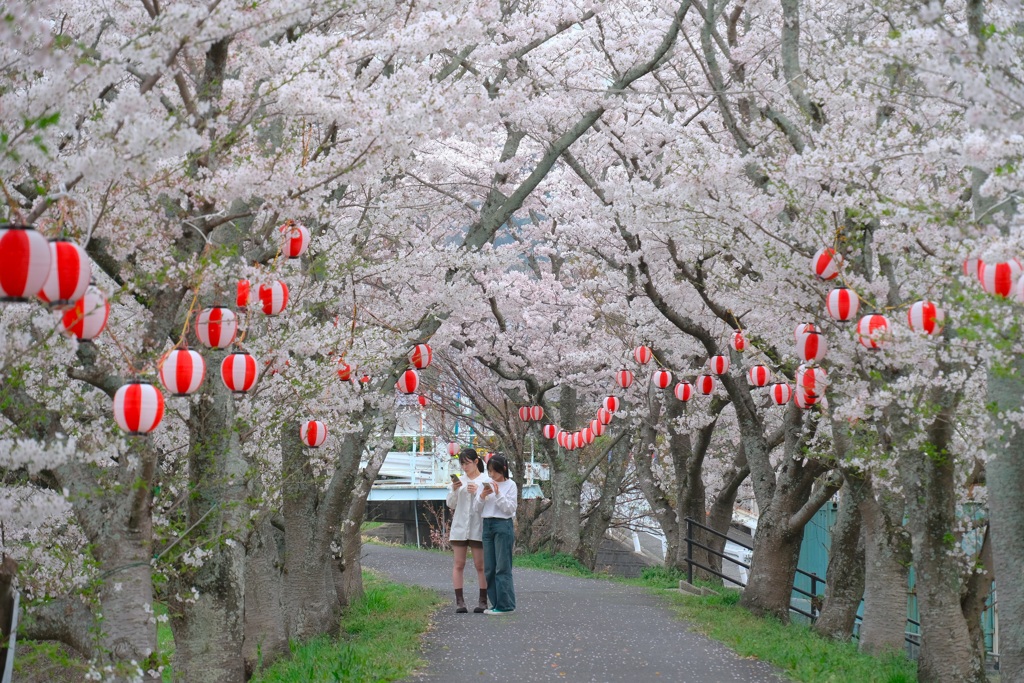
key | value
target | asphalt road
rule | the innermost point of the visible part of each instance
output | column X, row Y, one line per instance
column 564, row 629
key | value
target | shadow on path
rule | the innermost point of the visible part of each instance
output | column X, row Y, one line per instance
column 564, row 629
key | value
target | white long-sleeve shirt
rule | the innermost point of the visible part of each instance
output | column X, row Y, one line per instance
column 501, row 504
column 467, row 524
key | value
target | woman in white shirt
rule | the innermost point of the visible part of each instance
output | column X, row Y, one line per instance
column 466, row 530
column 497, row 504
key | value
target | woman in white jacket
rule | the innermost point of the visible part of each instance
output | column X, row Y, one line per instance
column 466, row 530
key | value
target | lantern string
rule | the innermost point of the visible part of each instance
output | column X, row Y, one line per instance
column 124, row 353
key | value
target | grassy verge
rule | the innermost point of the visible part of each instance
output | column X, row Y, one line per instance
column 795, row 649
column 380, row 639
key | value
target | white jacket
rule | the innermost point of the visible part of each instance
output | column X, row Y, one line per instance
column 467, row 523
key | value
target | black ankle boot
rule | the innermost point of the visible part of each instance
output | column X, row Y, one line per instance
column 482, row 605
column 460, row 602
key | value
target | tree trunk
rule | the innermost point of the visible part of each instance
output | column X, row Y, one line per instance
column 845, row 575
column 1004, row 475
column 773, row 566
column 209, row 631
column 947, row 651
column 564, row 522
column 266, row 621
column 720, row 512
column 886, row 573
column 978, row 588
column 601, row 515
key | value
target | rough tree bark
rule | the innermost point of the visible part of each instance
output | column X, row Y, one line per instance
column 600, row 516
column 886, row 570
column 845, row 574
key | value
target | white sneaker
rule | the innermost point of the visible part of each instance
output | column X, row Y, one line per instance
column 498, row 611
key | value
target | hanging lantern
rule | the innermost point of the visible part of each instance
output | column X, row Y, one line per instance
column 536, row 413
column 611, row 403
column 925, row 316
column 313, row 433
column 549, row 431
column 705, row 384
column 804, row 400
column 604, row 416
column 588, row 436
column 811, row 347
column 738, row 342
column 138, row 408
column 578, row 440
column 812, row 380
column 243, row 294
column 88, row 317
column 718, row 365
column 69, row 276
column 781, row 393
column 421, row 355
column 422, row 400
column 25, row 261
column 217, row 327
column 971, row 264
column 562, row 439
column 661, row 378
column 239, row 372
column 273, row 297
column 999, row 278
column 596, row 427
column 842, row 304
column 294, row 239
column 182, row 372
column 453, row 449
column 642, row 354
column 365, row 379
column 684, row 391
column 804, row 328
column 758, row 376
column 524, row 413
column 408, row 381
column 344, row 371
column 872, row 331
column 826, row 263
column 624, row 378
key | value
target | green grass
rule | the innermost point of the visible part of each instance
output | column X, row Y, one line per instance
column 797, row 650
column 370, row 526
column 380, row 639
column 556, row 562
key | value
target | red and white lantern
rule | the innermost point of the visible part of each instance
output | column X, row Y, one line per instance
column 803, row 328
column 642, row 354
column 243, row 293
column 804, row 400
column 408, row 381
column 971, row 264
column 705, row 384
column 344, row 371
column 217, row 327
column 70, row 272
column 549, row 431
column 624, row 378
column 999, row 278
column 596, row 427
column 182, row 372
column 138, row 408
column 239, row 372
column 842, row 304
column 273, row 297
column 826, row 263
column 365, row 379
column 738, row 342
column 927, row 317
column 758, row 376
column 811, row 347
column 604, row 416
column 421, row 355
column 453, row 449
column 684, row 391
column 872, row 331
column 25, row 261
column 611, row 404
column 524, row 413
column 294, row 239
column 578, row 440
column 562, row 438
column 422, row 400
column 313, row 433
column 88, row 317
column 661, row 378
column 781, row 393
column 588, row 436
column 811, row 380
column 536, row 413
column 718, row 365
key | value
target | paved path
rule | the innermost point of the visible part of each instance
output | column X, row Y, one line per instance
column 564, row 629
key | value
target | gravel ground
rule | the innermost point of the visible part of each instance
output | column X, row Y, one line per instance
column 564, row 629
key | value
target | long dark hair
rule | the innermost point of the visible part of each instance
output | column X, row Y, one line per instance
column 470, row 455
column 499, row 464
